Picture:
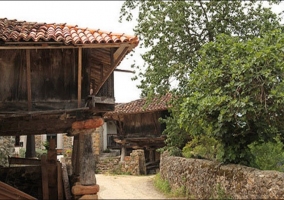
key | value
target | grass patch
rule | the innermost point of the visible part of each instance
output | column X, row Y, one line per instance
column 165, row 187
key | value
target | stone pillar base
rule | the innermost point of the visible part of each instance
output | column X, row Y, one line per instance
column 89, row 196
column 85, row 191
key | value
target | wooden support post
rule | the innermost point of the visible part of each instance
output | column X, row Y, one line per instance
column 75, row 155
column 123, row 152
column 29, row 87
column 66, row 184
column 79, row 76
column 44, row 178
column 30, row 145
column 59, row 181
column 52, row 170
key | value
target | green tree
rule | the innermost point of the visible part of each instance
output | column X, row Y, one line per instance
column 236, row 93
column 173, row 32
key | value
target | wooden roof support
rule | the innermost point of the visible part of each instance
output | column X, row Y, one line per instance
column 115, row 59
column 29, row 89
column 79, row 76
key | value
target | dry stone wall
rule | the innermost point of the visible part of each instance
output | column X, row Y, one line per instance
column 6, row 149
column 135, row 163
column 204, row 179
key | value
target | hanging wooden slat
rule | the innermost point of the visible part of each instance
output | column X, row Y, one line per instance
column 79, row 76
column 29, row 89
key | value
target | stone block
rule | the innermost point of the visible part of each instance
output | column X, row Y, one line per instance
column 85, row 189
column 88, row 196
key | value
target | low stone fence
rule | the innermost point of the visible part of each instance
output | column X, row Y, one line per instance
column 204, row 179
column 107, row 164
column 133, row 164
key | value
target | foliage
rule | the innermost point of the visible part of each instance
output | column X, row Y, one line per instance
column 165, row 187
column 68, row 153
column 203, row 147
column 161, row 184
column 221, row 193
column 6, row 149
column 46, row 144
column 106, row 150
column 22, row 152
column 39, row 152
column 244, row 101
column 174, row 32
column 269, row 155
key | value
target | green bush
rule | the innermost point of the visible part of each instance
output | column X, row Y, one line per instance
column 39, row 152
column 162, row 185
column 165, row 187
column 203, row 147
column 268, row 155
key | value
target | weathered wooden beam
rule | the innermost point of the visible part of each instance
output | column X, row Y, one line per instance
column 115, row 59
column 52, row 170
column 29, row 87
column 79, row 76
column 9, row 192
column 35, row 126
column 124, row 70
column 44, row 177
column 59, row 181
column 7, row 114
column 119, row 54
column 75, row 155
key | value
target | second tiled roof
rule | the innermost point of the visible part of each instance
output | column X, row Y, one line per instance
column 141, row 106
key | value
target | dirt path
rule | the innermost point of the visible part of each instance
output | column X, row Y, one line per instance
column 127, row 187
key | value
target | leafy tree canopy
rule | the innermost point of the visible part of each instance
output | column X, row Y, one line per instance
column 225, row 59
column 172, row 32
column 236, row 93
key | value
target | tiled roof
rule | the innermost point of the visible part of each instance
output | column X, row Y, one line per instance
column 14, row 30
column 141, row 106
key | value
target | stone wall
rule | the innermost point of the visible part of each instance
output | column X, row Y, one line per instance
column 135, row 163
column 207, row 179
column 108, row 165
column 39, row 142
column 6, row 149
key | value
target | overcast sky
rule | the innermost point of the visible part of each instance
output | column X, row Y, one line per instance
column 102, row 15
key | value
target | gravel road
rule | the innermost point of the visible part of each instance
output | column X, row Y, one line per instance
column 127, row 187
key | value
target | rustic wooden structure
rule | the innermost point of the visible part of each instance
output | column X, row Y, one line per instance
column 56, row 75
column 139, row 127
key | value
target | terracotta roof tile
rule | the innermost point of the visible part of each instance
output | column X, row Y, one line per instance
column 141, row 106
column 14, row 31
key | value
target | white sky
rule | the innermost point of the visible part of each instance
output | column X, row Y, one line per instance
column 103, row 15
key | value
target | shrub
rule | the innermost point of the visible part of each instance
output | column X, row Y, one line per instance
column 268, row 155
column 203, row 147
